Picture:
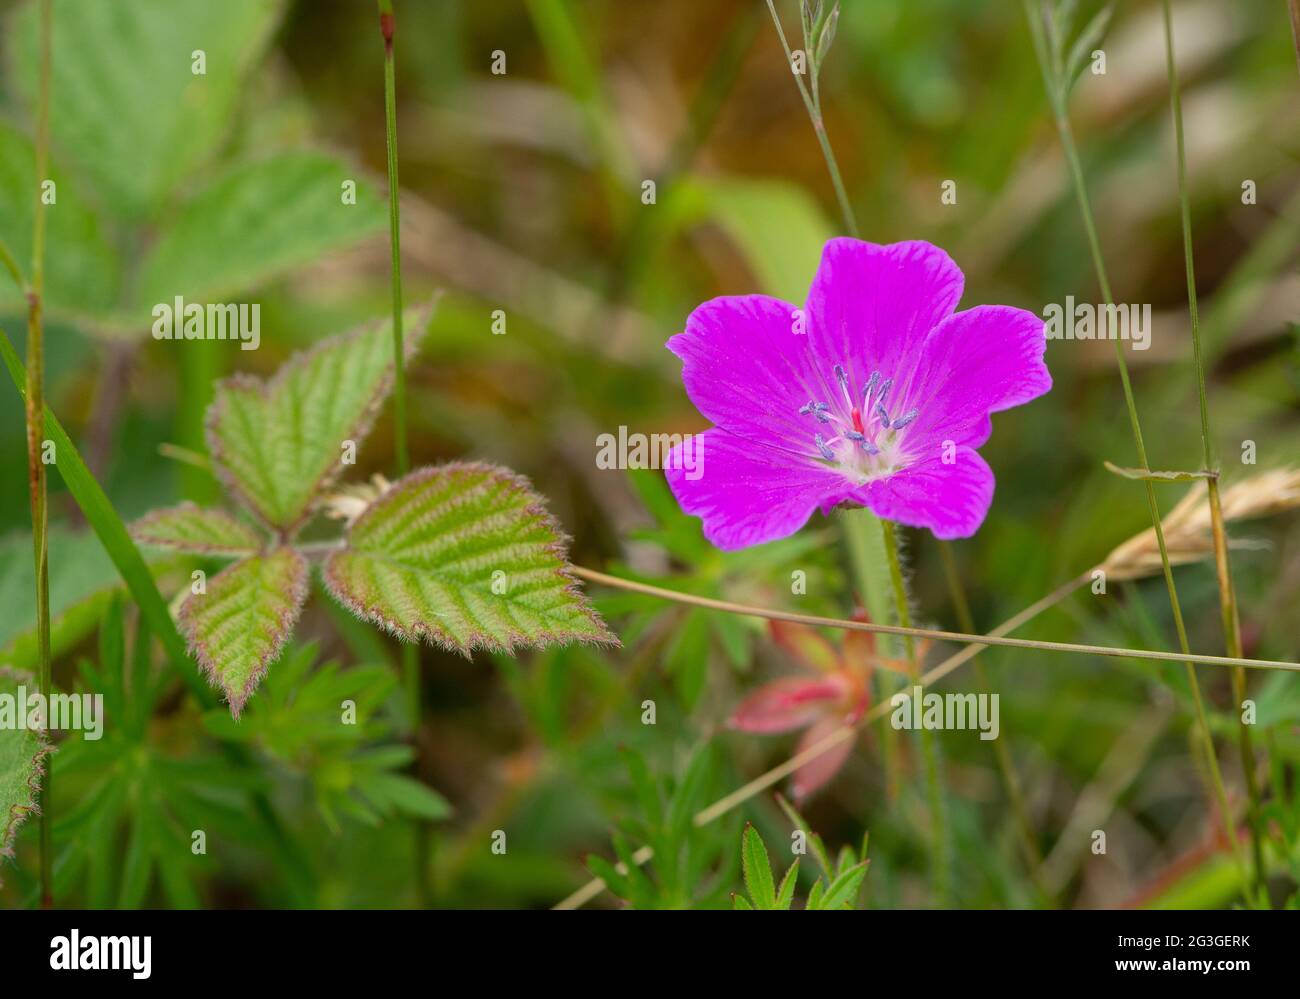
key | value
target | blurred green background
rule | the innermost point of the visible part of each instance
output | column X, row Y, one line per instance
column 522, row 192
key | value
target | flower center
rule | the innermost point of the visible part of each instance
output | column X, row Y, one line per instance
column 861, row 439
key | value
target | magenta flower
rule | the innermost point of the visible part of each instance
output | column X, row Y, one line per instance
column 876, row 394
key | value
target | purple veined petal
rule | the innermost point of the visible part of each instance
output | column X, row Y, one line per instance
column 747, row 369
column 975, row 362
column 950, row 499
column 871, row 306
column 748, row 493
column 786, row 704
column 817, row 772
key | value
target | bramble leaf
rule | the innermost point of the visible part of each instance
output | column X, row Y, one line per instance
column 131, row 111
column 466, row 556
column 196, row 529
column 21, row 754
column 255, row 222
column 278, row 444
column 237, row 628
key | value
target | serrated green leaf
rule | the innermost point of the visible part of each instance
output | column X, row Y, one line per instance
column 196, row 529
column 237, row 628
column 408, row 796
column 785, row 893
column 82, row 277
column 278, row 444
column 757, row 870
column 739, row 901
column 841, row 892
column 466, row 556
column 126, row 107
column 22, row 752
column 815, row 896
column 255, row 222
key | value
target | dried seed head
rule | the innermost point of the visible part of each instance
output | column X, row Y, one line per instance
column 1188, row 535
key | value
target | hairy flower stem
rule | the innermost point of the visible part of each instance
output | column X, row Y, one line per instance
column 1006, row 766
column 812, row 102
column 410, row 653
column 929, row 751
column 1056, row 87
column 1223, row 567
column 36, row 482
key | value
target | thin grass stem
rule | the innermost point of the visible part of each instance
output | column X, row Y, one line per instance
column 1057, row 95
column 1223, row 567
column 35, row 412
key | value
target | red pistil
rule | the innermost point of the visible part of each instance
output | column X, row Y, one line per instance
column 857, row 421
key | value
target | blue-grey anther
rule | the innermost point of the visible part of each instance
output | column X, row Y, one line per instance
column 842, row 377
column 853, row 435
column 884, row 417
column 871, row 384
column 906, row 418
column 827, row 453
column 870, row 448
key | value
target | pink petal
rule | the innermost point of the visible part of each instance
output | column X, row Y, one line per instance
column 871, row 307
column 785, row 704
column 747, row 370
column 951, row 500
column 816, row 773
column 748, row 493
column 976, row 362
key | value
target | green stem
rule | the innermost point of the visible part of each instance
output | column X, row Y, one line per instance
column 410, row 653
column 35, row 393
column 387, row 26
column 812, row 101
column 929, row 751
column 1223, row 567
column 1056, row 91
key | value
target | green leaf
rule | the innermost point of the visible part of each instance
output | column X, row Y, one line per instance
column 255, row 222
column 21, row 754
column 758, row 870
column 776, row 225
column 83, row 275
column 237, row 628
column 277, row 445
column 408, row 796
column 740, row 902
column 785, row 894
column 842, row 891
column 196, row 529
column 466, row 556
column 126, row 107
